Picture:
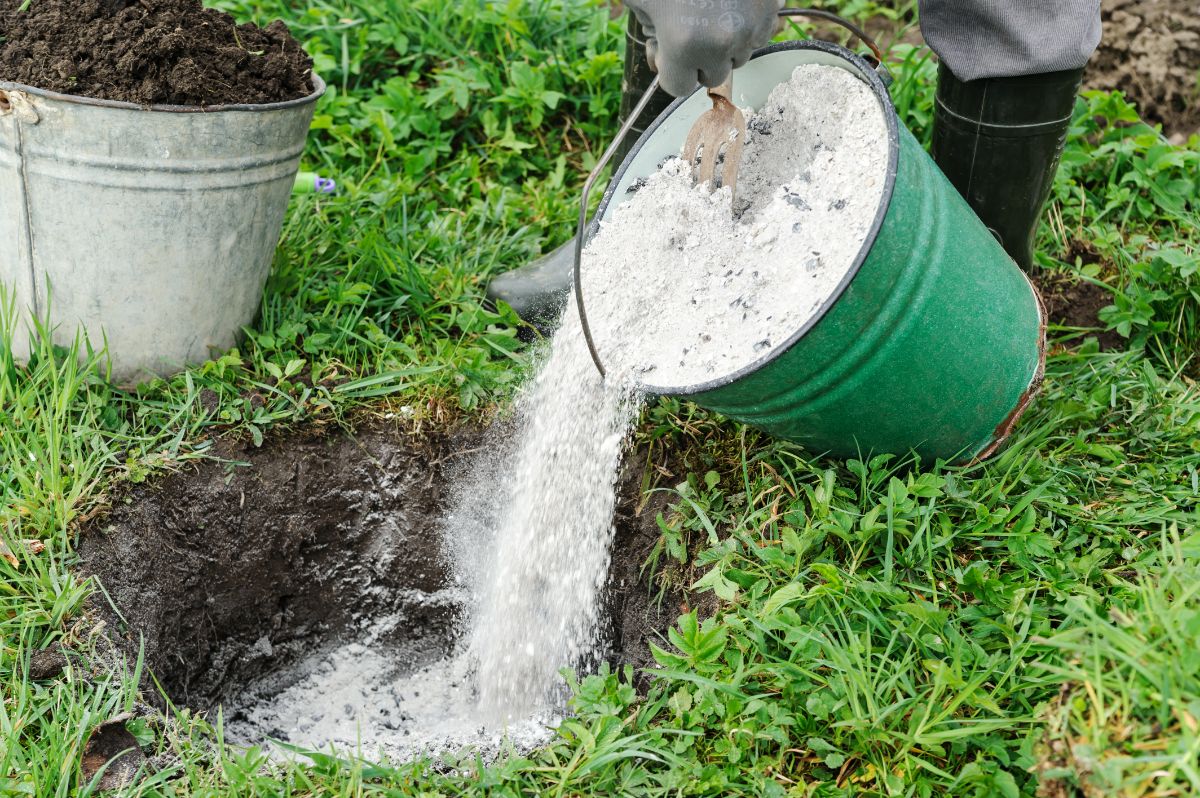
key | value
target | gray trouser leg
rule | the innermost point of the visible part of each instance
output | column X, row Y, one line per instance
column 1006, row 38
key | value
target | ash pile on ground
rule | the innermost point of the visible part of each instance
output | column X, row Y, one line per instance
column 362, row 698
column 1151, row 51
column 684, row 285
column 150, row 52
column 302, row 588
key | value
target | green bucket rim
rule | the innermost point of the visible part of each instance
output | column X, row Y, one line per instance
column 869, row 76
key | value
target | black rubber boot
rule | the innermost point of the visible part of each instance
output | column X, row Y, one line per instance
column 999, row 141
column 537, row 291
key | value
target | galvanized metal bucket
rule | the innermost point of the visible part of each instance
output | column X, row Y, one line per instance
column 151, row 229
column 933, row 342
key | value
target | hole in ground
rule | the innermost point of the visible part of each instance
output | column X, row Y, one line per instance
column 302, row 586
column 1076, row 303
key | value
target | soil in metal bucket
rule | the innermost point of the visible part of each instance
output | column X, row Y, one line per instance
column 150, row 52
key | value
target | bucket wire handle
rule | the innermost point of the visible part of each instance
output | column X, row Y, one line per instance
column 858, row 32
column 583, row 214
column 581, row 229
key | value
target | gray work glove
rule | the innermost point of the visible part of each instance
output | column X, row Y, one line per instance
column 690, row 41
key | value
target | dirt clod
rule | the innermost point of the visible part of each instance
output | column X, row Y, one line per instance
column 638, row 615
column 150, row 52
column 234, row 568
column 47, row 663
column 210, row 400
column 113, row 752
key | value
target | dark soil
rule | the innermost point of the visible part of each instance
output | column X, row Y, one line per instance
column 1077, row 304
column 233, row 570
column 1151, row 52
column 150, row 52
column 637, row 615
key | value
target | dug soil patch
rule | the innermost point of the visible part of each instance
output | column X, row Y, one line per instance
column 243, row 575
column 150, row 52
column 1077, row 305
column 1151, row 52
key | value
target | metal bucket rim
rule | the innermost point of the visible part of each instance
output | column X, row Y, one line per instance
column 891, row 121
column 319, row 88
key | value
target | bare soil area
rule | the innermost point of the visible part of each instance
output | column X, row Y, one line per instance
column 239, row 566
column 1151, row 52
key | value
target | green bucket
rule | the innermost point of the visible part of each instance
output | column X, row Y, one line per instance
column 934, row 342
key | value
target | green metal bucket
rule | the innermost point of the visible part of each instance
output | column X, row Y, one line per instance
column 934, row 342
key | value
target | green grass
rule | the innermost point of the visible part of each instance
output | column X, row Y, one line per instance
column 883, row 627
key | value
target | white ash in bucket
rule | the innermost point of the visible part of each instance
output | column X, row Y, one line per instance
column 681, row 291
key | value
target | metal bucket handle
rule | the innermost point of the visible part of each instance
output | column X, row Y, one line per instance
column 858, row 32
column 581, row 230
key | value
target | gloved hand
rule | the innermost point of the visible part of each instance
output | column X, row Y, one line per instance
column 692, row 41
